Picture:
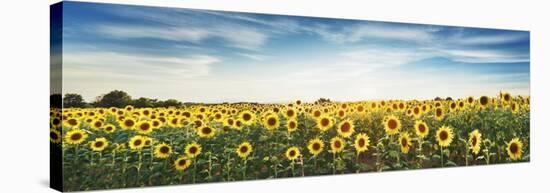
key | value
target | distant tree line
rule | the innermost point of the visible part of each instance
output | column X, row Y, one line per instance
column 118, row 99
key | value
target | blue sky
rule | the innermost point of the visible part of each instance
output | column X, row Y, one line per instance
column 213, row 56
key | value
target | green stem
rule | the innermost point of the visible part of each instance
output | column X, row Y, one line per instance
column 91, row 158
column 441, row 148
column 292, row 168
column 333, row 163
column 195, row 169
column 244, row 169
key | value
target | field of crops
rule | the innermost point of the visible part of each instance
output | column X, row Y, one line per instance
column 130, row 147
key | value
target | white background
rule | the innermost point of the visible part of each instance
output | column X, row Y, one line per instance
column 24, row 74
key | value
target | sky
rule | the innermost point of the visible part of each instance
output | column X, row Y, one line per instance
column 213, row 56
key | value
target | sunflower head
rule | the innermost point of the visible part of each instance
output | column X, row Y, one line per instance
column 405, row 142
column 193, row 149
column 163, row 151
column 271, row 121
column 182, row 163
column 484, row 101
column 99, row 144
column 361, row 142
column 421, row 128
column 55, row 136
column 137, row 142
column 324, row 123
column 206, row 132
column 109, row 128
column 439, row 113
column 392, row 125
column 337, row 144
column 75, row 136
column 128, row 123
column 244, row 149
column 290, row 113
column 315, row 146
column 144, row 127
column 515, row 149
column 444, row 136
column 72, row 122
column 346, row 128
column 97, row 124
column 247, row 117
column 292, row 153
column 474, row 141
column 291, row 125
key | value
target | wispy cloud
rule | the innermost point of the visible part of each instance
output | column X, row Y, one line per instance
column 257, row 57
column 234, row 36
column 486, row 56
column 492, row 39
column 119, row 64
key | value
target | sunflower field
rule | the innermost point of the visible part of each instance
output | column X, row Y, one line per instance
column 105, row 148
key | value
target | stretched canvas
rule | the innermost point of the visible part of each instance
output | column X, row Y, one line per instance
column 149, row 96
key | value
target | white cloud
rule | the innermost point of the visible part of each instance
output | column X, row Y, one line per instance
column 257, row 57
column 361, row 32
column 385, row 57
column 485, row 56
column 125, row 65
column 488, row 39
column 235, row 36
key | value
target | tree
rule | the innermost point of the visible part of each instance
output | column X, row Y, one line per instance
column 144, row 102
column 170, row 103
column 114, row 98
column 72, row 100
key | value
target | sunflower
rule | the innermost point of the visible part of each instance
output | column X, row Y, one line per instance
column 174, row 121
column 271, row 121
column 346, row 128
column 128, row 123
column 148, row 140
column 324, row 123
column 417, row 112
column 137, row 142
column 71, row 123
column 444, row 136
column 315, row 146
column 144, row 127
column 291, row 125
column 515, row 149
column 514, row 107
column 337, row 144
column 193, row 149
column 392, row 125
column 475, row 141
column 99, row 144
column 55, row 121
column 290, row 113
column 292, row 153
column 206, row 132
column 163, row 151
column 244, row 149
column 506, row 97
column 421, row 128
column 109, row 128
column 55, row 136
column 182, row 163
column 405, row 142
column 439, row 113
column 484, row 101
column 75, row 136
column 361, row 143
column 97, row 124
column 247, row 117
